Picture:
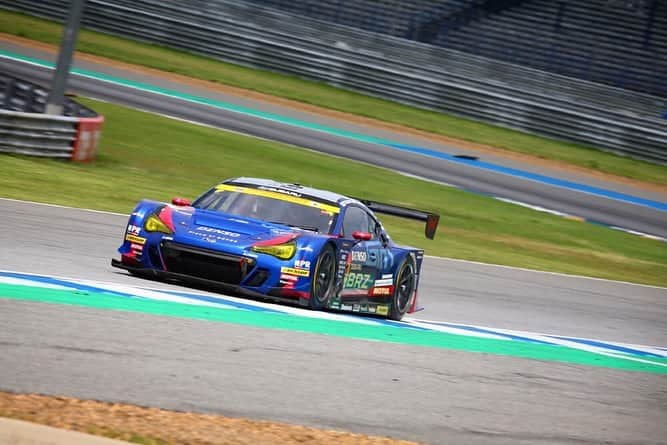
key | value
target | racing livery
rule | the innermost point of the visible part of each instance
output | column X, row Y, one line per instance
column 281, row 241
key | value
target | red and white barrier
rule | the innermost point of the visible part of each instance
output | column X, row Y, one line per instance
column 87, row 137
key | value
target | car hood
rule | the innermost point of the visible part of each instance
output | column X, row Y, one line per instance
column 207, row 228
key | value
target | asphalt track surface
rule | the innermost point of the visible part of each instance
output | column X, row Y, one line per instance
column 594, row 208
column 433, row 395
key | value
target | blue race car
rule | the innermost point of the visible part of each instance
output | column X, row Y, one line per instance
column 281, row 241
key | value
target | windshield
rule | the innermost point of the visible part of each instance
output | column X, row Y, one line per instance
column 270, row 206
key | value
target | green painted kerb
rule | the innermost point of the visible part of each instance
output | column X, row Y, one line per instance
column 388, row 334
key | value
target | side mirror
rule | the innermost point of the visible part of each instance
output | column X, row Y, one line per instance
column 362, row 236
column 181, row 202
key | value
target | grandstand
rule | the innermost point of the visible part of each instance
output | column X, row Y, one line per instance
column 392, row 17
column 622, row 43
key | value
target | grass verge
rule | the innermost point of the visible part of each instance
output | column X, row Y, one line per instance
column 329, row 97
column 175, row 158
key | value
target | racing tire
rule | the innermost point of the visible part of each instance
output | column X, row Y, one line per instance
column 404, row 288
column 324, row 278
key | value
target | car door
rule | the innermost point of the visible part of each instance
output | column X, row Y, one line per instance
column 365, row 259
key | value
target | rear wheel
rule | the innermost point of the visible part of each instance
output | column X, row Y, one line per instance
column 323, row 278
column 403, row 289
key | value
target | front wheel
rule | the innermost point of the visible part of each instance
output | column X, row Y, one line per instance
column 403, row 289
column 323, row 278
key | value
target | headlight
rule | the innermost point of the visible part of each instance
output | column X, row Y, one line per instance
column 155, row 224
column 283, row 251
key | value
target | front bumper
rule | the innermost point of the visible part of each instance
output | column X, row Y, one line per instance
column 197, row 281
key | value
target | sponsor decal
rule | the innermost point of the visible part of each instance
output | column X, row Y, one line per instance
column 356, row 307
column 277, row 190
column 382, row 309
column 355, row 292
column 214, row 237
column 281, row 194
column 302, row 264
column 382, row 291
column 363, row 308
column 135, row 239
column 371, row 309
column 356, row 266
column 279, row 232
column 359, row 256
column 346, row 307
column 335, row 304
column 305, row 249
column 342, row 265
column 383, row 282
column 288, row 281
column 137, row 250
column 218, row 231
column 133, row 230
column 294, row 271
column 357, row 280
column 387, row 275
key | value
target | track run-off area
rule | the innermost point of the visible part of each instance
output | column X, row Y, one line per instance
column 499, row 355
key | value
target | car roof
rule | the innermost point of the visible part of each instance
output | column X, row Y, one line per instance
column 313, row 193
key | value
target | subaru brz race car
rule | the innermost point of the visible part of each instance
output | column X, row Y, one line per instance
column 281, row 241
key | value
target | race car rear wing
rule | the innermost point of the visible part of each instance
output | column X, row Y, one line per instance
column 431, row 219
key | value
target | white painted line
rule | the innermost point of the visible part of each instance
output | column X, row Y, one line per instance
column 642, row 234
column 451, row 330
column 650, row 349
column 559, row 274
column 153, row 294
column 570, row 342
column 632, row 358
column 532, row 207
column 24, row 282
column 62, row 206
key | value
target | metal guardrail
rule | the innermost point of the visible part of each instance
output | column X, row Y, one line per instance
column 25, row 130
column 611, row 119
column 45, row 135
column 37, row 134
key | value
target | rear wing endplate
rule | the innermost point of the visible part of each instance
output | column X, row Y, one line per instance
column 431, row 219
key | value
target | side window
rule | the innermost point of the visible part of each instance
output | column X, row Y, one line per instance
column 374, row 227
column 356, row 219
